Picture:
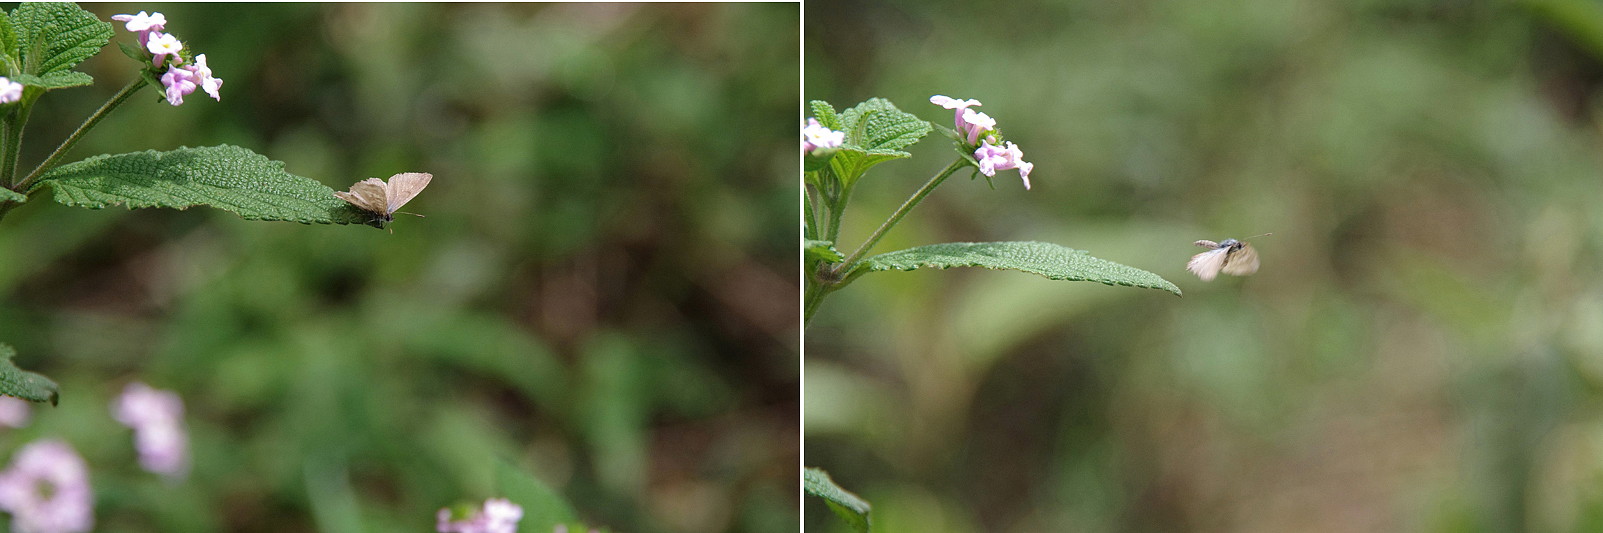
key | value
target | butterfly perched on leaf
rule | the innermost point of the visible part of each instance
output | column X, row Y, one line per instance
column 1230, row 256
column 383, row 199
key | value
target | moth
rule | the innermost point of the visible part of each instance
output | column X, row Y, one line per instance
column 1230, row 256
column 382, row 199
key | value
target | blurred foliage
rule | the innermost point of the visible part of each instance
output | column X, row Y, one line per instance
column 602, row 292
column 1421, row 351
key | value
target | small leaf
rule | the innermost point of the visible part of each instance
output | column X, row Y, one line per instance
column 876, row 132
column 543, row 508
column 226, row 177
column 22, row 384
column 823, row 251
column 846, row 505
column 8, row 195
column 825, row 114
column 55, row 80
column 59, row 34
column 8, row 37
column 1046, row 259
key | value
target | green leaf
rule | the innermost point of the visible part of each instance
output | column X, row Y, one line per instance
column 825, row 114
column 846, row 505
column 26, row 385
column 55, row 80
column 56, row 36
column 823, row 251
column 1046, row 259
column 8, row 195
column 543, row 508
column 876, row 132
column 8, row 37
column 226, row 177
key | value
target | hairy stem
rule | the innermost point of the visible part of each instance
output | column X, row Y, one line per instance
column 918, row 196
column 88, row 124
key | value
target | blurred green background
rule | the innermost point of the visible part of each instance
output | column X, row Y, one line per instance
column 1421, row 351
column 603, row 291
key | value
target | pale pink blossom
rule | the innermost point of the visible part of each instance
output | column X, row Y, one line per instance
column 975, row 123
column 992, row 158
column 14, row 412
column 157, row 418
column 957, row 106
column 179, row 83
column 143, row 22
column 162, row 45
column 207, row 83
column 497, row 515
column 815, row 136
column 46, row 490
column 10, row 91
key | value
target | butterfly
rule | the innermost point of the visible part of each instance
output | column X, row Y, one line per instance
column 1230, row 256
column 382, row 199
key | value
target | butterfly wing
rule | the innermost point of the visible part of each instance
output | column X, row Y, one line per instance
column 1241, row 262
column 404, row 187
column 367, row 195
column 1206, row 265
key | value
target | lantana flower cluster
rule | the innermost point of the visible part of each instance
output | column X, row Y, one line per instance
column 157, row 418
column 46, row 490
column 498, row 515
column 181, row 76
column 978, row 131
column 817, row 137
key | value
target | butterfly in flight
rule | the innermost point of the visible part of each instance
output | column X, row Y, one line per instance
column 1230, row 256
column 382, row 199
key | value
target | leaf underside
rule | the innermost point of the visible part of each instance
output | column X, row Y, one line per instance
column 23, row 384
column 226, row 177
column 846, row 505
column 1046, row 259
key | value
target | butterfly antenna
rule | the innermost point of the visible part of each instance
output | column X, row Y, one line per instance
column 1256, row 236
column 413, row 214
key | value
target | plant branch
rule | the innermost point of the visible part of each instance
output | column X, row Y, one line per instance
column 88, row 124
column 918, row 196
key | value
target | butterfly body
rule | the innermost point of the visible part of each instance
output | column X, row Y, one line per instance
column 1229, row 256
column 382, row 199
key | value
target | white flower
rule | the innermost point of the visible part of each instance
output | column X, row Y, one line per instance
column 10, row 91
column 143, row 22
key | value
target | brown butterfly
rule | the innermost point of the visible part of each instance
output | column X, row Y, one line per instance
column 382, row 199
column 1230, row 256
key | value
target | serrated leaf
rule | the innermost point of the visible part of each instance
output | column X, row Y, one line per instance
column 8, row 36
column 823, row 251
column 22, row 384
column 56, row 36
column 847, row 506
column 226, row 177
column 55, row 80
column 876, row 132
column 543, row 508
column 8, row 195
column 1042, row 258
column 825, row 114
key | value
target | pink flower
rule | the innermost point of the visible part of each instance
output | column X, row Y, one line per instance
column 10, row 91
column 815, row 136
column 46, row 490
column 14, row 412
column 208, row 83
column 162, row 45
column 143, row 24
column 958, row 107
column 498, row 515
column 975, row 123
column 157, row 417
column 179, row 82
column 993, row 158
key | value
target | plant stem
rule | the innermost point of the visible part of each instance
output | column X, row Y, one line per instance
column 88, row 124
column 12, row 144
column 851, row 261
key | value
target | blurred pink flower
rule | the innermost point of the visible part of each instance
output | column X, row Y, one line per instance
column 498, row 515
column 46, row 490
column 10, row 91
column 14, row 412
column 157, row 418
